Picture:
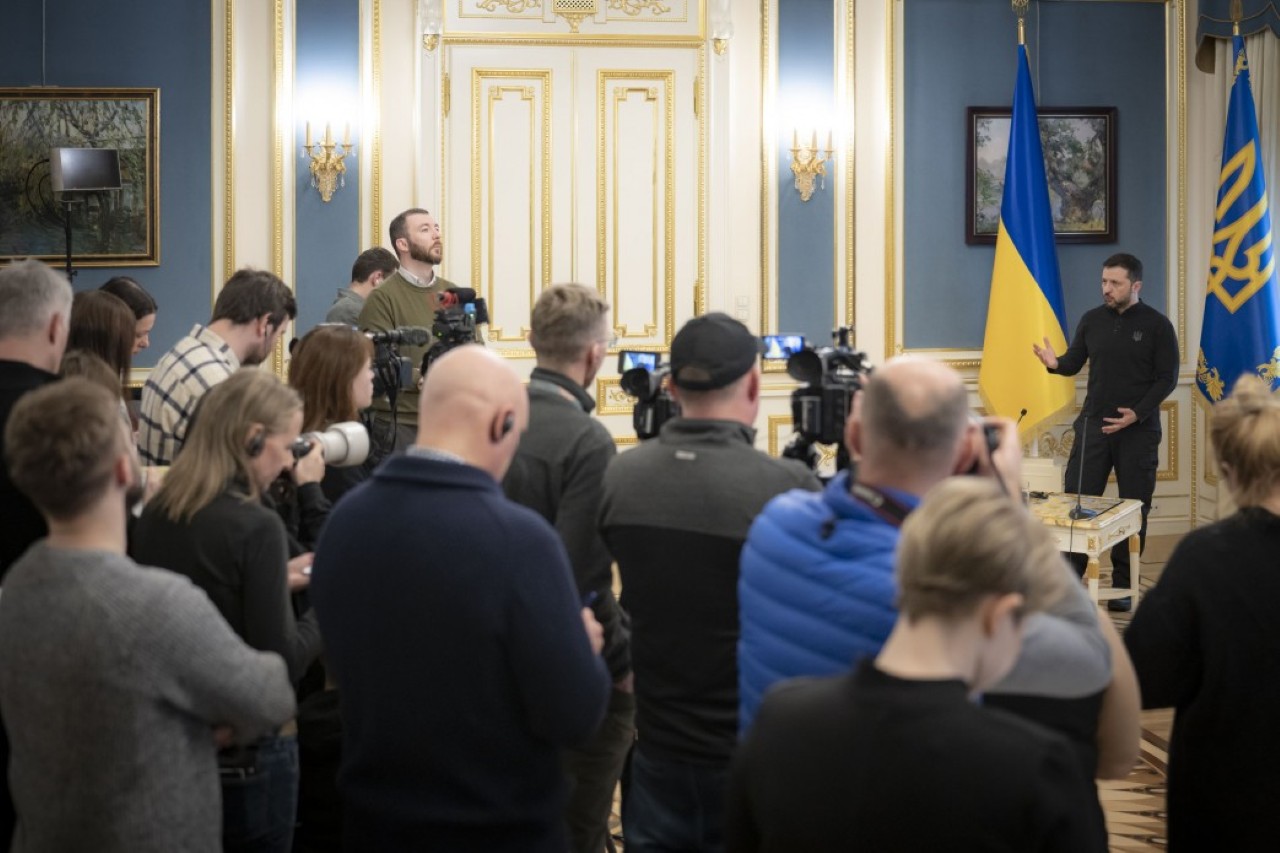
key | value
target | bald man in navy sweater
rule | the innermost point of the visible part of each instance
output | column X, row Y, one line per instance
column 454, row 630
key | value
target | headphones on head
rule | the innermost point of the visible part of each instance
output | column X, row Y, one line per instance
column 256, row 443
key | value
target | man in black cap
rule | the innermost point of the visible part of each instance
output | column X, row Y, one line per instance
column 675, row 513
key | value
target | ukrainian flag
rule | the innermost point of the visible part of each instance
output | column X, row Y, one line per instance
column 1241, row 329
column 1026, row 289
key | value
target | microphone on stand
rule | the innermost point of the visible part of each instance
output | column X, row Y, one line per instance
column 1078, row 512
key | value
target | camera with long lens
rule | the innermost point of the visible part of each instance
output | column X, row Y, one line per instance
column 455, row 322
column 643, row 377
column 393, row 372
column 832, row 376
column 344, row 444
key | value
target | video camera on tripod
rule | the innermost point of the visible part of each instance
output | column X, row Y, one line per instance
column 819, row 408
column 392, row 372
column 643, row 377
column 455, row 322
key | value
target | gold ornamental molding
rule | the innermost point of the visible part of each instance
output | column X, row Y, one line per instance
column 664, row 141
column 483, row 195
column 636, row 7
column 611, row 399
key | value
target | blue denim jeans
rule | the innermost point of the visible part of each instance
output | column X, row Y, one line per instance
column 673, row 806
column 259, row 804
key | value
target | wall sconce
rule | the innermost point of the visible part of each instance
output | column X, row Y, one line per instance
column 721, row 23
column 432, row 12
column 808, row 163
column 328, row 166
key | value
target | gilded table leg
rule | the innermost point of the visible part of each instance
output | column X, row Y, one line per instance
column 1135, row 556
column 1091, row 577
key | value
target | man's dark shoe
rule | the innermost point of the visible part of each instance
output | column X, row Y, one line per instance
column 1120, row 605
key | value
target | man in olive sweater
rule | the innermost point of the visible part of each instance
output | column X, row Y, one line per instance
column 408, row 297
column 117, row 682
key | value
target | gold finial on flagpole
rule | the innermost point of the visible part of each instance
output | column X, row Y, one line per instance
column 1020, row 9
column 1237, row 12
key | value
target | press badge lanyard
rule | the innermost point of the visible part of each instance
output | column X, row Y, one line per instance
column 887, row 507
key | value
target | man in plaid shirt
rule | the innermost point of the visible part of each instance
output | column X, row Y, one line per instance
column 250, row 313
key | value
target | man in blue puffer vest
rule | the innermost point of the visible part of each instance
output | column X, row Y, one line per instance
column 816, row 589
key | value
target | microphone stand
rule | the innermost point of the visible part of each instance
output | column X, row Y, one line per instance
column 1078, row 512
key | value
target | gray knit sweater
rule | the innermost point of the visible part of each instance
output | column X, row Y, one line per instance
column 111, row 679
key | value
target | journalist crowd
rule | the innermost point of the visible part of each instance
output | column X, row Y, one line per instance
column 404, row 600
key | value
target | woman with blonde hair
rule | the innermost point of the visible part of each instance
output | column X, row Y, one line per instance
column 1206, row 641
column 332, row 368
column 208, row 522
column 897, row 753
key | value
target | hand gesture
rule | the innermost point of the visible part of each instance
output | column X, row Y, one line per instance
column 1127, row 417
column 1045, row 354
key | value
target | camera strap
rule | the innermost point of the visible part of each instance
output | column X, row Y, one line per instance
column 886, row 506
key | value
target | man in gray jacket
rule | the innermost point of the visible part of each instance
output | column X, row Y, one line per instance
column 117, row 682
column 558, row 471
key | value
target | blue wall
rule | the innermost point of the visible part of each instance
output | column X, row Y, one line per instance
column 155, row 43
column 806, row 229
column 961, row 53
column 327, row 80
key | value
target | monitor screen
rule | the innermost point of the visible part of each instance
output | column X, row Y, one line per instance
column 80, row 169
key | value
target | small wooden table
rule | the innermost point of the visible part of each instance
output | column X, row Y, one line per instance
column 1116, row 520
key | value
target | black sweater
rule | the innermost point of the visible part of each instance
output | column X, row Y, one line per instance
column 905, row 766
column 236, row 550
column 1133, row 361
column 1206, row 641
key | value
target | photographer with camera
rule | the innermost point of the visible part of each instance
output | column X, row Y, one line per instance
column 208, row 522
column 332, row 369
column 414, row 295
column 817, row 589
column 674, row 515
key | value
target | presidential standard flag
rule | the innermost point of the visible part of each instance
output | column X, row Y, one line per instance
column 1241, row 329
column 1026, row 290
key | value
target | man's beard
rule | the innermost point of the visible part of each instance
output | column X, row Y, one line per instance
column 426, row 254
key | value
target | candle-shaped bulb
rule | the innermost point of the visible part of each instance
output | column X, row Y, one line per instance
column 346, row 136
column 795, row 138
column 813, row 144
column 328, row 134
column 308, row 134
column 829, row 148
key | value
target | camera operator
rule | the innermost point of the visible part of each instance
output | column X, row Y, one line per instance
column 674, row 514
column 410, row 296
column 817, row 588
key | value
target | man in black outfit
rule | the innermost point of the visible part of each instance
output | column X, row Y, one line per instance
column 1132, row 352
column 35, row 312
column 674, row 515
column 558, row 471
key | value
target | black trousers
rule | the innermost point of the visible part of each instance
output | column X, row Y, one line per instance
column 1133, row 453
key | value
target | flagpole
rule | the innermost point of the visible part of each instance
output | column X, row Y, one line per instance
column 1020, row 9
column 1237, row 12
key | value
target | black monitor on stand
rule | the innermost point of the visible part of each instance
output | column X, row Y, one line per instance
column 81, row 170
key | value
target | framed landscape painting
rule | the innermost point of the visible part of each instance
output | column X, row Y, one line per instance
column 1080, row 167
column 109, row 227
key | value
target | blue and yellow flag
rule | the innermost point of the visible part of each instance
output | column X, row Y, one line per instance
column 1026, row 289
column 1241, row 329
